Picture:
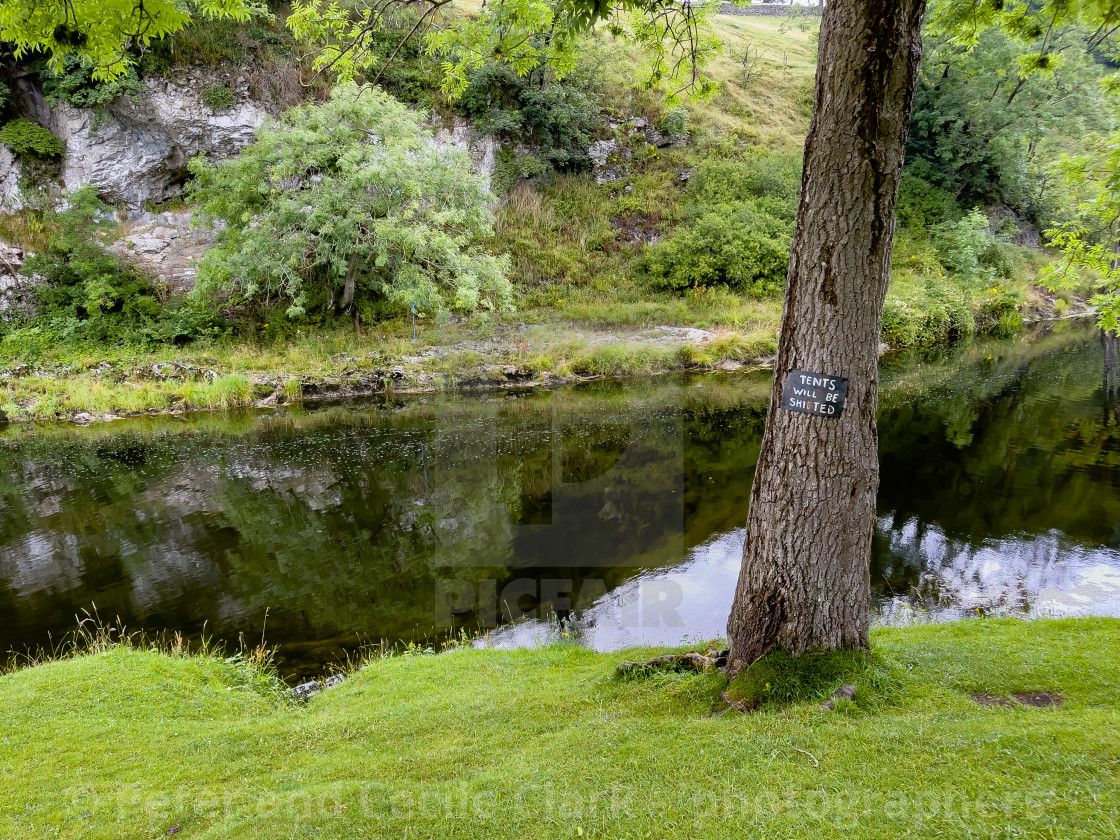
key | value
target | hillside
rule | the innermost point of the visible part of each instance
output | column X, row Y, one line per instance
column 643, row 235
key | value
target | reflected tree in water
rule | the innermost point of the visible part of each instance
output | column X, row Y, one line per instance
column 1111, row 385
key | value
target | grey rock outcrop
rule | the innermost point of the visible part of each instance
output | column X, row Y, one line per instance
column 9, row 180
column 16, row 296
column 1015, row 226
column 482, row 150
column 138, row 150
column 165, row 246
column 611, row 157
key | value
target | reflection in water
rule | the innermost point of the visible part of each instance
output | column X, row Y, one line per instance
column 617, row 506
column 1110, row 388
column 1046, row 575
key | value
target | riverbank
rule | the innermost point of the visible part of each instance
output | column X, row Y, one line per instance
column 485, row 352
column 538, row 347
column 494, row 743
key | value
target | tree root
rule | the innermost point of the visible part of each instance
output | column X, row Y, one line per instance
column 691, row 661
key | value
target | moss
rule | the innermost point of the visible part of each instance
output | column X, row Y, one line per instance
column 778, row 679
column 27, row 138
column 218, row 96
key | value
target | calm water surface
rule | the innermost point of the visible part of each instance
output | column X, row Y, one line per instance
column 618, row 507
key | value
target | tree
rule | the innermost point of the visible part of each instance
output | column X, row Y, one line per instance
column 804, row 582
column 347, row 199
column 100, row 32
column 1091, row 240
column 983, row 124
column 525, row 34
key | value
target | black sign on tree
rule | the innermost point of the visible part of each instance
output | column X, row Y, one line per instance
column 814, row 393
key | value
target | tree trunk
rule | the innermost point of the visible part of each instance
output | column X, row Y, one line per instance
column 804, row 582
column 348, row 284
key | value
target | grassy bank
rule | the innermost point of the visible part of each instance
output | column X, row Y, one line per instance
column 525, row 349
column 487, row 743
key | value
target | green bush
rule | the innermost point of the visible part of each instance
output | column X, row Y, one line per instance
column 736, row 229
column 27, row 138
column 558, row 118
column 260, row 41
column 921, row 203
column 996, row 309
column 26, row 342
column 771, row 180
column 1002, row 259
column 915, row 253
column 925, row 310
column 675, row 123
column 74, row 83
column 218, row 96
column 92, row 296
column 736, row 245
column 407, row 77
column 960, row 243
column 344, row 201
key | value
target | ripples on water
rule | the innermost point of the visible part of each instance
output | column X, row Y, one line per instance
column 1000, row 494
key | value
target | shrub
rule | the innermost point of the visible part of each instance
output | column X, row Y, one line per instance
column 407, row 77
column 925, row 310
column 93, row 296
column 914, row 252
column 27, row 138
column 921, row 203
column 772, row 180
column 735, row 245
column 960, row 243
column 737, row 228
column 558, row 118
column 996, row 309
column 74, row 83
column 218, row 96
column 1002, row 259
column 344, row 200
column 675, row 123
column 258, row 42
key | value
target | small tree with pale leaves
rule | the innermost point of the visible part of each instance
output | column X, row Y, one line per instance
column 347, row 199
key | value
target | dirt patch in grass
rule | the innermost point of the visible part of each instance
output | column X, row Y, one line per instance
column 1038, row 698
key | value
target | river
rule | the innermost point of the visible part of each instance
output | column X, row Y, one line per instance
column 607, row 514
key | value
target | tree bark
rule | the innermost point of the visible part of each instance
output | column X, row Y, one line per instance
column 348, row 284
column 804, row 582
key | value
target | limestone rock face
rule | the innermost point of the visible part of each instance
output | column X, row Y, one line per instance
column 457, row 134
column 16, row 289
column 165, row 246
column 9, row 180
column 139, row 149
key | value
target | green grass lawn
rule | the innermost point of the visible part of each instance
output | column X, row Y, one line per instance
column 127, row 743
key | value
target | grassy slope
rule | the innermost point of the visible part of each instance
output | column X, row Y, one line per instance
column 544, row 742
